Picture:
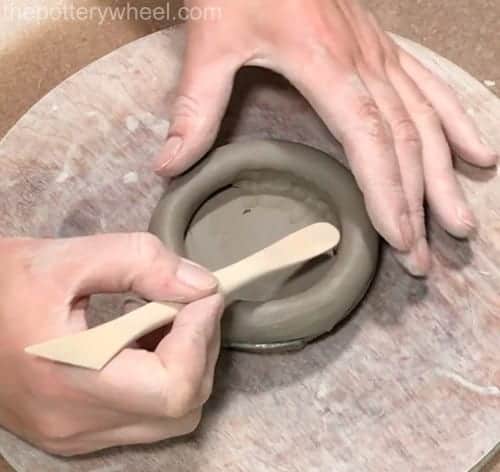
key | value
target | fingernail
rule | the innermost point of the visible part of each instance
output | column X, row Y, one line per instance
column 406, row 232
column 195, row 276
column 423, row 256
column 492, row 157
column 486, row 142
column 169, row 152
column 488, row 149
column 418, row 261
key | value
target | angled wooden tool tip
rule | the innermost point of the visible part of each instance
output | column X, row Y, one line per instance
column 94, row 348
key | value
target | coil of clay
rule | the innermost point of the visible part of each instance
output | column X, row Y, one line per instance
column 288, row 322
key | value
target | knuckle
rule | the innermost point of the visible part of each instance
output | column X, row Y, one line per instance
column 390, row 185
column 206, row 391
column 372, row 123
column 392, row 63
column 50, row 447
column 193, row 421
column 190, row 387
column 376, row 128
column 418, row 212
column 425, row 110
column 57, row 448
column 367, row 108
column 321, row 51
column 147, row 247
column 318, row 37
column 376, row 186
column 415, row 203
column 186, row 106
column 199, row 337
column 391, row 55
column 53, row 431
column 185, row 397
column 371, row 62
column 46, row 389
column 404, row 130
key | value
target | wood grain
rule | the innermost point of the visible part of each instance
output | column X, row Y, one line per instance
column 410, row 382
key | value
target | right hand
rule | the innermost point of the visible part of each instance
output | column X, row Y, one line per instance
column 140, row 396
column 396, row 120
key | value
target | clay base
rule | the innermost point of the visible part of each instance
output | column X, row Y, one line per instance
column 247, row 195
column 262, row 209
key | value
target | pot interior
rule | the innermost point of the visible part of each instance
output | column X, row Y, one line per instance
column 257, row 209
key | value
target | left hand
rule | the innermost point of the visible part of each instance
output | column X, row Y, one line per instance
column 140, row 396
column 394, row 117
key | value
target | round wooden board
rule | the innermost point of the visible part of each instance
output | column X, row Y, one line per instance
column 410, row 382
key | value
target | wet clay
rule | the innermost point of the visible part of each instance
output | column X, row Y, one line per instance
column 262, row 206
column 245, row 196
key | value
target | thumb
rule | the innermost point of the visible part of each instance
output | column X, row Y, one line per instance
column 137, row 262
column 202, row 98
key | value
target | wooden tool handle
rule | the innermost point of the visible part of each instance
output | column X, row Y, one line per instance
column 156, row 314
column 95, row 347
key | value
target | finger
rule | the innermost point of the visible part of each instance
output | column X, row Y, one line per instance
column 136, row 262
column 352, row 115
column 152, row 431
column 214, row 348
column 408, row 148
column 202, row 98
column 140, row 432
column 460, row 129
column 377, row 53
column 189, row 353
column 146, row 432
column 166, row 383
column 407, row 139
column 443, row 191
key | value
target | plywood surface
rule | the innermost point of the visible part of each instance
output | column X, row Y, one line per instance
column 410, row 382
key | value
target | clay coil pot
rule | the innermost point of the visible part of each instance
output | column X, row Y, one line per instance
column 242, row 197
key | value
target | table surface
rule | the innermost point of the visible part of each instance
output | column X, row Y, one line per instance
column 458, row 269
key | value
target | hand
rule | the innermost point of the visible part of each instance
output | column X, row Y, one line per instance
column 393, row 116
column 140, row 396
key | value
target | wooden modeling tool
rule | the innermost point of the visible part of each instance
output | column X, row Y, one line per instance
column 94, row 348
